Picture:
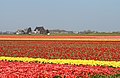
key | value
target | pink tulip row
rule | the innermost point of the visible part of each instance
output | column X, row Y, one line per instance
column 36, row 70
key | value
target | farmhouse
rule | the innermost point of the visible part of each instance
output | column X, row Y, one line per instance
column 37, row 30
column 24, row 31
column 40, row 30
column 20, row 32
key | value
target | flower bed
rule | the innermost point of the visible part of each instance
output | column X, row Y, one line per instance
column 103, row 51
column 35, row 70
column 63, row 61
column 62, row 58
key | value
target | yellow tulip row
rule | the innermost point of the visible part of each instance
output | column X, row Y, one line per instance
column 63, row 61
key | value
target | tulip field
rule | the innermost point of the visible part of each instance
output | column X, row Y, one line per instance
column 59, row 56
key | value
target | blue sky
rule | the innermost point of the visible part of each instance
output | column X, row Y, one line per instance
column 76, row 15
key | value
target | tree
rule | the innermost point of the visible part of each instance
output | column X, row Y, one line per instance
column 29, row 31
column 47, row 32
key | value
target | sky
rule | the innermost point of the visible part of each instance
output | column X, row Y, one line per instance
column 75, row 15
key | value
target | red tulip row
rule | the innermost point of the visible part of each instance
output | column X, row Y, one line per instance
column 35, row 70
column 105, row 51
